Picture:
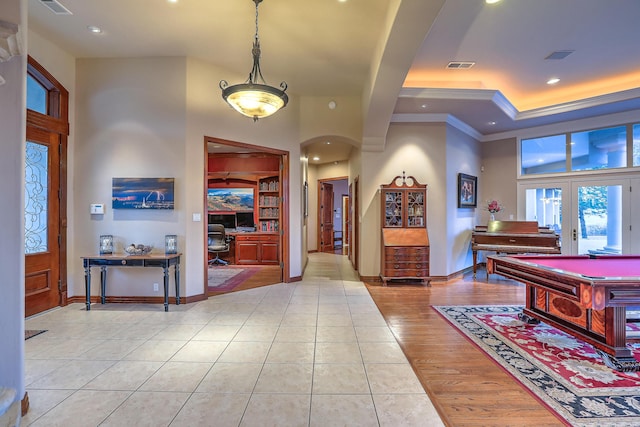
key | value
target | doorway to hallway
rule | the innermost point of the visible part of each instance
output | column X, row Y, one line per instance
column 332, row 214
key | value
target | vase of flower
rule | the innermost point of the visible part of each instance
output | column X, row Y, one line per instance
column 493, row 207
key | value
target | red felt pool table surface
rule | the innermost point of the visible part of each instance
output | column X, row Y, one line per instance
column 603, row 266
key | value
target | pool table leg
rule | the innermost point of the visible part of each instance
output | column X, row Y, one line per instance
column 622, row 364
column 523, row 317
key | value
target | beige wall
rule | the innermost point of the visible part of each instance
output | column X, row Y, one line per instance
column 208, row 114
column 498, row 179
column 316, row 118
column 12, row 137
column 463, row 156
column 129, row 123
column 420, row 151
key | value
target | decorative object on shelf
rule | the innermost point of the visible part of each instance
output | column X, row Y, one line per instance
column 106, row 244
column 170, row 244
column 493, row 207
column 138, row 249
column 254, row 98
column 467, row 191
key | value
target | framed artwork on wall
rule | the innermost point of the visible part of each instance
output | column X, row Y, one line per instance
column 467, row 191
column 142, row 193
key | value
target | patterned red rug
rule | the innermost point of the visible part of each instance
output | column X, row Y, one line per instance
column 566, row 374
column 226, row 278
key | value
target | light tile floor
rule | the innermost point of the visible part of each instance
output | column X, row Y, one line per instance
column 311, row 353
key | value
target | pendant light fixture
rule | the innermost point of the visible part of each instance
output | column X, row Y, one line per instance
column 254, row 98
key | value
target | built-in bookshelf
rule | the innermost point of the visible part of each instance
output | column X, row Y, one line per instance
column 269, row 204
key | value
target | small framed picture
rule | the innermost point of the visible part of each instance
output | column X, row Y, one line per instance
column 106, row 244
column 467, row 191
column 170, row 244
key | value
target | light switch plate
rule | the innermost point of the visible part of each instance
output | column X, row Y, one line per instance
column 196, row 217
column 97, row 209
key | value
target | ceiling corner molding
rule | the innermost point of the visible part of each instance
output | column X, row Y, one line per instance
column 10, row 45
column 492, row 95
column 437, row 118
column 580, row 104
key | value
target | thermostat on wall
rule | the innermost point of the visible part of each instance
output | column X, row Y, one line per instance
column 97, row 209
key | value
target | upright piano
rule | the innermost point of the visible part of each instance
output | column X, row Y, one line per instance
column 513, row 237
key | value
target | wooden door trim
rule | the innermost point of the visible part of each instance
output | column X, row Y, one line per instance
column 318, row 218
column 56, row 122
column 285, row 261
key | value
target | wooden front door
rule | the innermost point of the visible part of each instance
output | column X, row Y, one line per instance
column 326, row 217
column 42, row 221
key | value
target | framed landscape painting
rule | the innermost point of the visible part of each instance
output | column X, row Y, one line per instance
column 142, row 193
column 467, row 191
column 230, row 199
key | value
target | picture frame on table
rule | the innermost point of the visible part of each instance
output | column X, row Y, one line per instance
column 467, row 191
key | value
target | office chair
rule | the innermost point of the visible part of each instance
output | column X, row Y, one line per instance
column 217, row 243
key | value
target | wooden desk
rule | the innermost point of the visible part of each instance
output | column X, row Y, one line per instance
column 104, row 261
column 256, row 247
column 585, row 296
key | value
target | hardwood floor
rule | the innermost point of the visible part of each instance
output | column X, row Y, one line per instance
column 266, row 275
column 466, row 387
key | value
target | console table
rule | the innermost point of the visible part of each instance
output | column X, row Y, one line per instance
column 104, row 261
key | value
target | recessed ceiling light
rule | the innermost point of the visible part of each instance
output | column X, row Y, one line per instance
column 94, row 29
column 491, row 1
column 553, row 81
column 172, row 1
column 328, row 142
column 491, row 123
column 315, row 158
column 424, row 106
column 332, row 105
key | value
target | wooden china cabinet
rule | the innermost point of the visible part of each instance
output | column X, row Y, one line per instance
column 405, row 241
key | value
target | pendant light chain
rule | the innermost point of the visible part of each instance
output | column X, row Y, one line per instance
column 255, row 98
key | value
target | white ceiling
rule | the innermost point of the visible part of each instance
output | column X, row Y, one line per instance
column 339, row 48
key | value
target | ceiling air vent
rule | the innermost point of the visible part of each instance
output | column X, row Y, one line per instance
column 56, row 7
column 559, row 54
column 460, row 65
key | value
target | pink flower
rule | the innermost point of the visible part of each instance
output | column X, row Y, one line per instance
column 494, row 206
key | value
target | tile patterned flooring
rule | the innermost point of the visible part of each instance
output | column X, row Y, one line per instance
column 311, row 353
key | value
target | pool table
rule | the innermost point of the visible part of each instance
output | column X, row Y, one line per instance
column 586, row 296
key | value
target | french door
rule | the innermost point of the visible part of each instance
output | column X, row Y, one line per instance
column 600, row 214
column 591, row 215
column 43, row 284
column 45, row 216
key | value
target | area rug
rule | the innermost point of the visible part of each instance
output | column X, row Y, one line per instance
column 30, row 333
column 564, row 373
column 224, row 279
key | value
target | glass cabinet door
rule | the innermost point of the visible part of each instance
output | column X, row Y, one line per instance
column 415, row 209
column 393, row 208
